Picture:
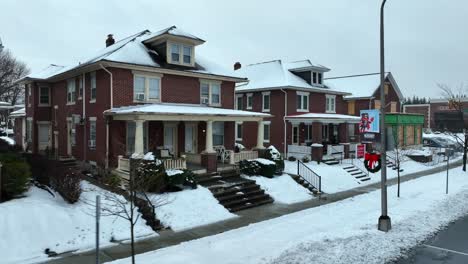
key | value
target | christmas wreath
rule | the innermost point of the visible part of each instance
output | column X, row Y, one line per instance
column 372, row 162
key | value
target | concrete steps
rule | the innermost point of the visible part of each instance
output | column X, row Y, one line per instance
column 305, row 184
column 330, row 160
column 358, row 174
column 233, row 192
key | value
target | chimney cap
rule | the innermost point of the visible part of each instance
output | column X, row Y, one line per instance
column 237, row 66
column 110, row 40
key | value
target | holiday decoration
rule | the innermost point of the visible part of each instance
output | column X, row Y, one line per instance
column 372, row 162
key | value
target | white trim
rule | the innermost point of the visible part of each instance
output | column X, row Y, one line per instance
column 292, row 134
column 236, row 132
column 210, row 84
column 236, row 105
column 263, row 101
column 73, row 93
column 331, row 97
column 181, row 45
column 91, row 76
column 39, row 97
column 92, row 118
column 269, row 131
column 249, row 95
column 302, row 95
column 147, row 77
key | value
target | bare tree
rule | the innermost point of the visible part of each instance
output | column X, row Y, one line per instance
column 11, row 70
column 399, row 154
column 454, row 97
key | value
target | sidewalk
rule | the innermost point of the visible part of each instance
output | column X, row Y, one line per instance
column 169, row 238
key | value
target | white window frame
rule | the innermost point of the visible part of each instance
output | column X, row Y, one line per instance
column 29, row 87
column 236, row 131
column 147, row 77
column 93, row 86
column 72, row 99
column 80, row 87
column 266, row 123
column 241, row 96
column 249, row 97
column 92, row 120
column 181, row 53
column 40, row 95
column 318, row 79
column 292, row 135
column 308, row 133
column 302, row 95
column 329, row 106
column 210, row 84
column 263, row 102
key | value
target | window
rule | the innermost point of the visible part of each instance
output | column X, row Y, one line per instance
column 218, row 133
column 266, row 101
column 308, row 133
column 43, row 135
column 330, row 104
column 210, row 93
column 93, row 87
column 146, row 88
column 175, row 53
column 266, row 131
column 29, row 131
column 44, row 96
column 302, row 102
column 317, row 77
column 28, row 87
column 71, row 92
column 239, row 101
column 314, row 77
column 249, row 101
column 92, row 133
column 238, row 131
column 295, row 134
column 80, row 87
column 73, row 135
column 131, row 128
column 187, row 54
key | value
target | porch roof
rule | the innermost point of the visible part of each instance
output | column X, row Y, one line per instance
column 323, row 118
column 165, row 111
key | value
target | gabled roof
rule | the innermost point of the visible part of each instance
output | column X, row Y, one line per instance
column 362, row 85
column 132, row 51
column 304, row 65
column 275, row 74
column 173, row 31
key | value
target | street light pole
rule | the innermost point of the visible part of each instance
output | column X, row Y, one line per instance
column 384, row 220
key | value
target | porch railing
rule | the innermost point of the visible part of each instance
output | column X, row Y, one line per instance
column 243, row 155
column 299, row 152
column 123, row 164
column 193, row 158
column 336, row 151
column 309, row 176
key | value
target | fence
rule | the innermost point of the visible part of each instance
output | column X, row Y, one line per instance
column 299, row 152
column 243, row 155
column 309, row 176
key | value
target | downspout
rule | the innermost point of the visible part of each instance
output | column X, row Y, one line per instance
column 284, row 120
column 85, row 144
column 107, row 121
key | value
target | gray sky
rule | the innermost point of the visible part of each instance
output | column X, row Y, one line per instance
column 425, row 40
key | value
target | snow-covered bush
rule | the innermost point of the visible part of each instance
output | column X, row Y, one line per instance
column 67, row 182
column 305, row 159
column 263, row 167
column 150, row 175
column 292, row 158
column 16, row 175
column 274, row 155
column 181, row 178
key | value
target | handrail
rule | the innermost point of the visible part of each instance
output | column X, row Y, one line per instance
column 337, row 151
column 309, row 176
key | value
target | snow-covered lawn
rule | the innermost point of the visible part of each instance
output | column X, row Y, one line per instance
column 190, row 208
column 282, row 188
column 8, row 140
column 336, row 179
column 341, row 232
column 30, row 225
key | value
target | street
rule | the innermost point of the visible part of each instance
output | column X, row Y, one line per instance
column 449, row 246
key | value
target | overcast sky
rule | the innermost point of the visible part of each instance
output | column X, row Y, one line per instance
column 426, row 41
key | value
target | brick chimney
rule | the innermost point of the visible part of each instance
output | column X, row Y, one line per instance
column 110, row 40
column 237, row 66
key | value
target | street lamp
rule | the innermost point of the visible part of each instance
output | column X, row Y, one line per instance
column 385, row 223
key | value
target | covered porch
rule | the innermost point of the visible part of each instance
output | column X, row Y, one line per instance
column 184, row 137
column 334, row 132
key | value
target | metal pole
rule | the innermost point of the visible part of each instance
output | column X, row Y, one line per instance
column 0, row 182
column 98, row 216
column 384, row 220
column 446, row 182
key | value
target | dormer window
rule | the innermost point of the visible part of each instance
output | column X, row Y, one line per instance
column 316, row 78
column 181, row 54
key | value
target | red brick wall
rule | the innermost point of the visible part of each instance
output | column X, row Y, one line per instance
column 18, row 131
column 419, row 109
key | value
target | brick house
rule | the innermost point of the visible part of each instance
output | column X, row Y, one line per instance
column 148, row 92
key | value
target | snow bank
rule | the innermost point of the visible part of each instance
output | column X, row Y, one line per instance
column 173, row 172
column 282, row 188
column 190, row 208
column 30, row 225
column 8, row 140
column 263, row 161
column 275, row 154
column 341, row 232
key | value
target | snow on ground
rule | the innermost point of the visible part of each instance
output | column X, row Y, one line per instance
column 189, row 208
column 282, row 188
column 8, row 140
column 30, row 225
column 336, row 179
column 341, row 232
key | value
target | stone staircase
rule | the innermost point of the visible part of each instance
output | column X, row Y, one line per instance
column 234, row 192
column 357, row 173
column 305, row 184
column 330, row 160
column 67, row 162
column 147, row 214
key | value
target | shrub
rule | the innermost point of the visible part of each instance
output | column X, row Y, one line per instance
column 112, row 180
column 257, row 167
column 67, row 182
column 273, row 154
column 150, row 175
column 16, row 175
column 305, row 159
column 291, row 158
column 186, row 178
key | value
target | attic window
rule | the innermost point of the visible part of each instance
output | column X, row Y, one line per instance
column 316, row 78
column 181, row 54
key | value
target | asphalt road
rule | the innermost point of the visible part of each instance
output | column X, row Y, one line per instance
column 449, row 246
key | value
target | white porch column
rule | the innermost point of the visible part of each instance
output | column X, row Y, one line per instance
column 260, row 135
column 139, row 148
column 209, row 137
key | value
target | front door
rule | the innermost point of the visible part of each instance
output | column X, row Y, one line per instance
column 44, row 136
column 170, row 138
column 69, row 137
column 190, row 138
column 295, row 134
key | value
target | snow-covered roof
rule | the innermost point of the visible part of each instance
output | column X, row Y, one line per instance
column 324, row 117
column 181, row 109
column 361, row 86
column 131, row 50
column 276, row 75
column 174, row 31
column 6, row 105
column 18, row 113
column 304, row 65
